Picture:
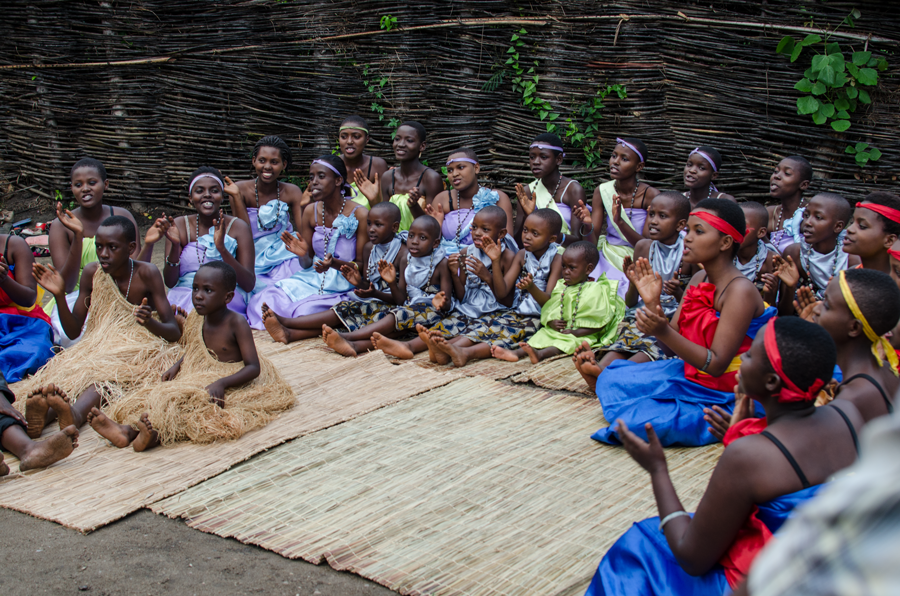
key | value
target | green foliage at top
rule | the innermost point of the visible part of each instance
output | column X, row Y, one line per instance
column 388, row 23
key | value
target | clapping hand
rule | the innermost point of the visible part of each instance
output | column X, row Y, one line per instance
column 649, row 455
column 525, row 282
column 787, row 271
column 441, row 301
column 806, row 303
column 295, row 243
column 324, row 265
column 491, row 248
column 414, row 196
column 435, row 210
column 143, row 312
column 219, row 236
column 649, row 284
column 387, row 271
column 368, row 188
column 351, row 273
column 581, row 212
column 159, row 229
column 525, row 199
column 650, row 321
column 49, row 278
column 232, row 189
column 477, row 268
column 67, row 219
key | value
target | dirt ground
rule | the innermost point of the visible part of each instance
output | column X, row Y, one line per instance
column 150, row 554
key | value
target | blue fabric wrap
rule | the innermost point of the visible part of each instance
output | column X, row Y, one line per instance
column 641, row 562
column 270, row 250
column 658, row 393
column 26, row 344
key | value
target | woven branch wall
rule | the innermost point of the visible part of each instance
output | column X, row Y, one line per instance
column 205, row 80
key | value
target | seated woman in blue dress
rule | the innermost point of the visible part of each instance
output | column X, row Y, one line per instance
column 719, row 316
column 769, row 466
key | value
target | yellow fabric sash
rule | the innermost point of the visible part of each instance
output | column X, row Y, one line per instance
column 881, row 347
column 544, row 200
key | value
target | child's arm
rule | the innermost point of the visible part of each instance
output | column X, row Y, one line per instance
column 22, row 290
column 172, row 270
column 582, row 217
column 358, row 278
column 642, row 249
column 238, row 206
column 166, row 327
column 442, row 278
column 173, row 372
column 458, row 273
column 51, row 280
column 154, row 234
column 244, row 263
column 527, row 282
column 789, row 272
column 244, row 338
column 389, row 274
column 66, row 257
column 362, row 239
column 371, row 189
column 503, row 282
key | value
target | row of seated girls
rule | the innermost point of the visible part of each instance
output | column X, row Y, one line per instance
column 694, row 317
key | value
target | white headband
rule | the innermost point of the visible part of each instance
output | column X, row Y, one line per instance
column 465, row 159
column 545, row 146
column 199, row 176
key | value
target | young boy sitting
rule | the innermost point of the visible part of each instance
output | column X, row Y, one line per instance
column 875, row 228
column 375, row 296
column 218, row 390
column 424, row 275
column 662, row 252
column 578, row 310
column 540, row 263
column 124, row 344
column 753, row 259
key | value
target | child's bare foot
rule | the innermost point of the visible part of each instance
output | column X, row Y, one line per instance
column 4, row 468
column 275, row 329
column 391, row 347
column 265, row 308
column 337, row 343
column 147, row 437
column 532, row 355
column 434, row 355
column 586, row 364
column 52, row 449
column 501, row 353
column 59, row 401
column 117, row 434
column 457, row 355
column 180, row 316
column 36, row 413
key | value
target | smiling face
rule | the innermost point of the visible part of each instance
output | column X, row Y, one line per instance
column 421, row 241
column 380, row 227
column 543, row 162
column 483, row 225
column 206, row 196
column 624, row 163
column 820, row 221
column 113, row 249
column 575, row 268
column 698, row 173
column 352, row 142
column 536, row 236
column 322, row 182
column 866, row 236
column 88, row 186
column 703, row 242
column 268, row 164
column 662, row 222
column 407, row 144
column 786, row 180
column 462, row 174
column 208, row 294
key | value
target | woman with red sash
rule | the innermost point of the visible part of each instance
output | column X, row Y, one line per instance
column 719, row 316
column 769, row 466
column 26, row 337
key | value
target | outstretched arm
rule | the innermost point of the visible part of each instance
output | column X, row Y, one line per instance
column 244, row 338
column 65, row 253
column 51, row 280
column 244, row 263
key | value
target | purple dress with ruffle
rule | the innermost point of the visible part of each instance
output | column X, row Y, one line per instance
column 193, row 255
column 638, row 217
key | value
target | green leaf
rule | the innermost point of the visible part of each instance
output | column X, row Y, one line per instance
column 826, row 75
column 853, row 70
column 864, row 96
column 842, row 114
column 819, row 118
column 826, row 109
column 810, row 40
column 840, row 79
column 786, row 45
column 819, row 62
column 837, row 62
column 509, row 60
column 852, row 92
column 860, row 58
column 804, row 86
column 514, row 37
column 850, row 150
column 861, row 147
column 882, row 63
column 795, row 53
column 551, row 127
column 819, row 88
column 528, row 100
column 810, row 74
column 542, row 114
column 863, row 157
column 832, row 48
column 875, row 154
column 522, row 32
column 855, row 13
column 511, row 50
column 807, row 105
column 841, row 104
column 867, row 76
column 840, row 125
column 554, row 116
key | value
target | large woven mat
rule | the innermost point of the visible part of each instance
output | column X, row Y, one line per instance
column 556, row 373
column 98, row 483
column 478, row 487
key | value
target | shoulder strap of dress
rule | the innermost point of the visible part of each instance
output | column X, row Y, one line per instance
column 6, row 248
column 790, row 458
column 393, row 179
column 111, row 211
column 725, row 289
column 849, row 425
column 564, row 191
column 887, row 401
column 187, row 226
column 422, row 175
column 369, row 172
column 230, row 223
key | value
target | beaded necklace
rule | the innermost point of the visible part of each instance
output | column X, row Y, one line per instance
column 778, row 223
column 259, row 224
column 325, row 233
column 459, row 220
column 130, row 277
column 553, row 194
column 201, row 255
column 806, row 255
column 757, row 263
column 562, row 304
column 427, row 277
column 633, row 194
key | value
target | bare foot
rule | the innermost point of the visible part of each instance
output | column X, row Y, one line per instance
column 36, row 413
column 457, row 355
column 265, row 308
column 504, row 354
column 4, row 469
column 59, row 401
column 434, row 355
column 147, row 437
column 180, row 316
column 52, row 449
column 586, row 364
column 391, row 347
column 337, row 343
column 275, row 329
column 119, row 435
column 530, row 351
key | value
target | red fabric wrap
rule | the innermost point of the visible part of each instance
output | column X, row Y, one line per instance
column 720, row 224
column 894, row 253
column 698, row 322
column 789, row 391
column 8, row 307
column 888, row 212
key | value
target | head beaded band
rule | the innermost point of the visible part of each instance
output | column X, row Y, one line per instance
column 789, row 390
column 888, row 212
column 625, row 143
column 199, row 176
column 465, row 159
column 351, row 127
column 706, row 157
column 877, row 340
column 329, row 166
column 546, row 146
column 720, row 224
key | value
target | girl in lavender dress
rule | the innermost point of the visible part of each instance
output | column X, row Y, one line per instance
column 455, row 209
column 622, row 203
column 329, row 225
column 269, row 207
column 208, row 236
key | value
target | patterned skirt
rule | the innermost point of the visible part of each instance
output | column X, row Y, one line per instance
column 355, row 314
column 505, row 328
column 631, row 341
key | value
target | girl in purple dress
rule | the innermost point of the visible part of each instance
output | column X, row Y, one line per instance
column 329, row 225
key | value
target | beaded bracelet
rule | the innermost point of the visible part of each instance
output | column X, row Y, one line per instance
column 670, row 517
column 172, row 264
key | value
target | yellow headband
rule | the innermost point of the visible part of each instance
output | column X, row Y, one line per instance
column 876, row 340
column 351, row 127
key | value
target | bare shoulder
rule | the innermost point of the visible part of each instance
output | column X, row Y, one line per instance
column 727, row 197
column 291, row 192
column 642, row 248
column 238, row 225
column 379, row 165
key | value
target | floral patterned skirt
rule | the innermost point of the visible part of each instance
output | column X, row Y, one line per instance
column 504, row 328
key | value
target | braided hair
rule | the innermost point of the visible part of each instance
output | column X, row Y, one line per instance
column 277, row 143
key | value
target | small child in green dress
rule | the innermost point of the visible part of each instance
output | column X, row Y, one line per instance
column 578, row 310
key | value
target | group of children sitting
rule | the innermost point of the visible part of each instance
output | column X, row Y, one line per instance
column 695, row 318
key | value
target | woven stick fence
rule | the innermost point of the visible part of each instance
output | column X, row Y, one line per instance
column 155, row 88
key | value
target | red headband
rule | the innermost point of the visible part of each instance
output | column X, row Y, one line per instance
column 888, row 212
column 789, row 391
column 719, row 224
column 894, row 253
